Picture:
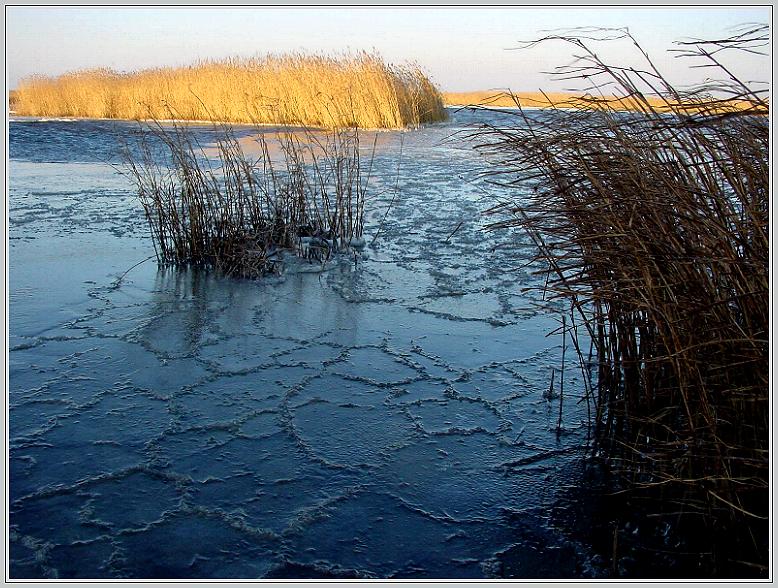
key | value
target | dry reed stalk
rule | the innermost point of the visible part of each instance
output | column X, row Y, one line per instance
column 313, row 90
column 654, row 225
column 236, row 215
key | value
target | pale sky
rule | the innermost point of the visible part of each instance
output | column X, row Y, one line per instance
column 460, row 48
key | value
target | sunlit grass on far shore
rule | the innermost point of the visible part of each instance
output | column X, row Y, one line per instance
column 316, row 90
column 505, row 99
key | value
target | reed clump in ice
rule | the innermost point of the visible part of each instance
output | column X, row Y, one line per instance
column 654, row 228
column 314, row 90
column 221, row 209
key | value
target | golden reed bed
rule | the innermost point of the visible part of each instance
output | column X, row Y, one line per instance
column 496, row 98
column 316, row 90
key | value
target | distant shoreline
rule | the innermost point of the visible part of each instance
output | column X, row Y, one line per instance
column 18, row 118
column 491, row 99
column 570, row 101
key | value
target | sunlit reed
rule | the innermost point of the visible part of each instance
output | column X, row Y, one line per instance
column 315, row 90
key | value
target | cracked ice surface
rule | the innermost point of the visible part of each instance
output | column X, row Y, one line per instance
column 383, row 419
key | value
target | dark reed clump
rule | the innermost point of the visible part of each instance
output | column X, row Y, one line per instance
column 218, row 208
column 654, row 228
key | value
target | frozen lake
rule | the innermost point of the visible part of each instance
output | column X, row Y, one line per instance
column 386, row 418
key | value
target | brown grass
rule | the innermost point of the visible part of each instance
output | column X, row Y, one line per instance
column 654, row 228
column 314, row 90
column 305, row 193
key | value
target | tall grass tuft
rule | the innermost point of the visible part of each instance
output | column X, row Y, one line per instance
column 305, row 193
column 314, row 90
column 654, row 227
